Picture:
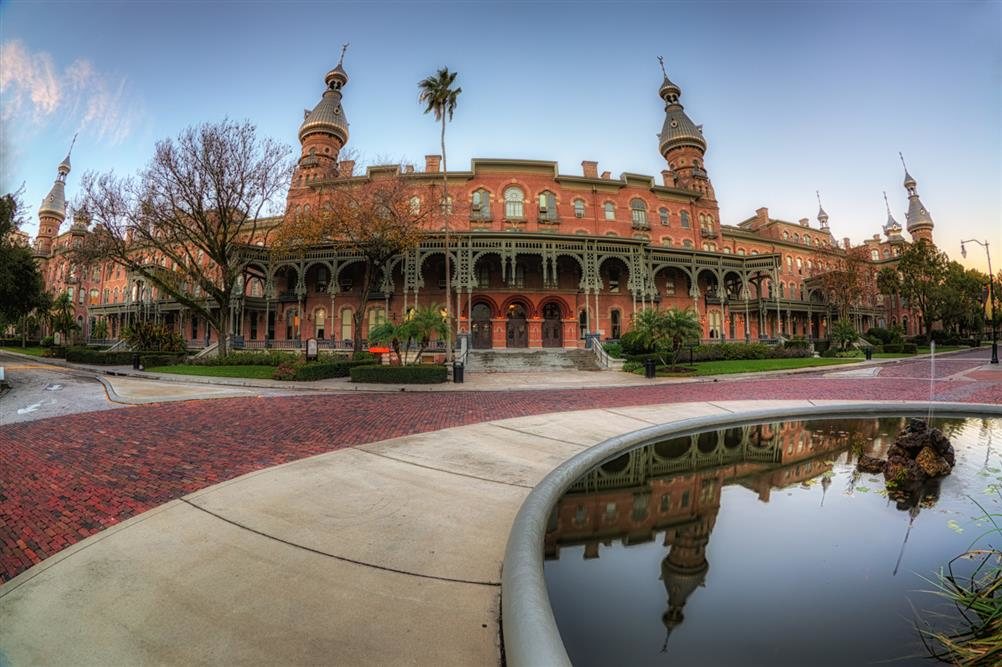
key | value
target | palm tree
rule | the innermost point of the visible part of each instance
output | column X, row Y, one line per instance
column 440, row 97
column 667, row 331
column 416, row 332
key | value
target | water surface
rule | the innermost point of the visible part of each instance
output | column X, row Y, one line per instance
column 761, row 545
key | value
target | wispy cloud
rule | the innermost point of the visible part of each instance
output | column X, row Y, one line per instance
column 36, row 96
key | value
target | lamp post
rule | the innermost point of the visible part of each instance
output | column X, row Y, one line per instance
column 991, row 295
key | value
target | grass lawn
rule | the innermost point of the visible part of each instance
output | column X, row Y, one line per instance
column 944, row 348
column 33, row 351
column 758, row 365
column 253, row 372
column 891, row 355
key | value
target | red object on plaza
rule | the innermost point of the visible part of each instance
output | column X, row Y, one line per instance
column 379, row 350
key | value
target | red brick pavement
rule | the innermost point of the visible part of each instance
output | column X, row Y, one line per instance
column 65, row 478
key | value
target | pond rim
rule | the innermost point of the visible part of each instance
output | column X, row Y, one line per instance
column 529, row 627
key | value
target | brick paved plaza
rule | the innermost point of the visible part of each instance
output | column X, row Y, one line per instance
column 66, row 478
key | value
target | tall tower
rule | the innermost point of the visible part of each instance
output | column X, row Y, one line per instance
column 918, row 219
column 681, row 142
column 324, row 131
column 52, row 212
column 822, row 216
column 892, row 229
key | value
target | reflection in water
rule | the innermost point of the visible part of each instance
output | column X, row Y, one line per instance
column 676, row 487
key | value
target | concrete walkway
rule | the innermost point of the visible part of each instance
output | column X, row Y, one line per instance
column 386, row 553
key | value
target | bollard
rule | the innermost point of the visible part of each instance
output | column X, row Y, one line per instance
column 457, row 372
column 868, row 351
column 135, row 362
column 650, row 369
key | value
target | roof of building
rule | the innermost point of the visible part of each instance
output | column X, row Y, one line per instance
column 327, row 117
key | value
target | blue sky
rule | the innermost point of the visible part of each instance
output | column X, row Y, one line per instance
column 793, row 96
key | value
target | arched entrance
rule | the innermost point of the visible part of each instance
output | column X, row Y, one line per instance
column 481, row 326
column 553, row 329
column 518, row 330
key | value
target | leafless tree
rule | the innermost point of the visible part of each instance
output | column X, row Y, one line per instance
column 180, row 221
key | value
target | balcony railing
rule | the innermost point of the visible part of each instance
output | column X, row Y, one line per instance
column 708, row 232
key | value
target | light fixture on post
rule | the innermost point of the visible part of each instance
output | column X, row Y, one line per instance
column 991, row 295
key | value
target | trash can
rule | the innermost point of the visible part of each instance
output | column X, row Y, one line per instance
column 457, row 372
column 135, row 362
column 650, row 369
column 868, row 351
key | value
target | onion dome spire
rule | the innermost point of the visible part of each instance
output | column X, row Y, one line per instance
column 328, row 116
column 822, row 216
column 678, row 130
column 918, row 218
column 54, row 203
column 892, row 228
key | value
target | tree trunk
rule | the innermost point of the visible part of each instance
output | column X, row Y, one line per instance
column 448, row 273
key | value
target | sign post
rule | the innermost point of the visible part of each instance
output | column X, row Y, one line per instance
column 311, row 349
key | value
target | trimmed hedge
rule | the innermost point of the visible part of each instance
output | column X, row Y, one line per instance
column 321, row 370
column 901, row 348
column 729, row 351
column 16, row 342
column 87, row 355
column 264, row 358
column 419, row 374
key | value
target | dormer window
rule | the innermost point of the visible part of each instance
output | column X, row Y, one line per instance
column 638, row 212
column 480, row 205
column 547, row 207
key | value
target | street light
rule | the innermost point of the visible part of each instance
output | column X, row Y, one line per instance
column 991, row 295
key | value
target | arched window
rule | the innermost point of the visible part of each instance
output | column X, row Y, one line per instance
column 447, row 205
column 377, row 316
column 786, row 236
column 741, row 251
column 610, row 210
column 480, row 207
column 579, row 208
column 754, row 252
column 874, row 254
column 319, row 322
column 615, row 319
column 638, row 212
column 796, row 238
column 514, row 203
column 687, row 243
column 800, row 265
column 346, row 324
column 726, row 250
column 663, row 215
column 547, row 206
column 666, row 241
column 670, row 287
column 683, row 218
column 415, row 204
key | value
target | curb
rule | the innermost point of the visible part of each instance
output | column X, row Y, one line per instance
column 531, row 636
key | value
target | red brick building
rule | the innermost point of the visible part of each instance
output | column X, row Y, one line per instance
column 539, row 257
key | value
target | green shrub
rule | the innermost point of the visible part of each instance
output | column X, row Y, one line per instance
column 56, row 351
column 264, row 358
column 153, row 337
column 796, row 343
column 416, row 374
column 364, row 355
column 86, row 355
column 286, row 370
column 632, row 366
column 901, row 348
column 631, row 344
column 47, row 341
column 16, row 342
column 160, row 359
column 882, row 336
column 613, row 349
column 321, row 370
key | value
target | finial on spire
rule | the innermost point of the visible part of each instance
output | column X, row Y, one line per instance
column 661, row 61
column 818, row 193
column 344, row 47
column 822, row 216
column 72, row 143
column 903, row 161
column 886, row 204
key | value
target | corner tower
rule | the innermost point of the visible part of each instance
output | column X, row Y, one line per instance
column 681, row 141
column 918, row 219
column 52, row 212
column 324, row 131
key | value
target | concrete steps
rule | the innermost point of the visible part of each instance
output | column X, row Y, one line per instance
column 531, row 361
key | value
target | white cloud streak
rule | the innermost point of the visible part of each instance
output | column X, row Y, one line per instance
column 35, row 96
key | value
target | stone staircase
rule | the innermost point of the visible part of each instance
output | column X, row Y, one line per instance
column 531, row 361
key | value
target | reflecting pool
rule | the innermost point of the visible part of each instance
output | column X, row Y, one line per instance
column 762, row 545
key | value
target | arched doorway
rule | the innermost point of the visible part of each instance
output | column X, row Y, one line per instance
column 481, row 326
column 518, row 330
column 553, row 329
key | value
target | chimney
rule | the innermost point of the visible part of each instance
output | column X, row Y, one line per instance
column 346, row 168
column 432, row 163
column 606, row 175
column 846, row 243
column 589, row 168
column 804, row 222
column 409, row 169
column 876, row 237
column 667, row 178
column 763, row 215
